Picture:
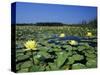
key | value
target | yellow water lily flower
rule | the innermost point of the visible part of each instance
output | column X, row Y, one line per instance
column 73, row 42
column 89, row 34
column 30, row 45
column 62, row 35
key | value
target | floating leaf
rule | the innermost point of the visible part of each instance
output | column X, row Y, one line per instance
column 81, row 48
column 70, row 60
column 90, row 55
column 28, row 53
column 45, row 54
column 26, row 64
column 91, row 64
column 68, row 47
column 43, row 49
column 22, row 57
column 36, row 59
column 61, row 58
column 66, row 67
column 19, row 51
column 19, row 54
column 36, row 68
column 89, row 58
column 74, row 48
column 53, row 66
column 78, row 66
column 18, row 66
column 48, row 68
column 23, row 70
column 90, row 51
column 41, row 68
column 57, row 49
column 77, row 57
column 70, row 53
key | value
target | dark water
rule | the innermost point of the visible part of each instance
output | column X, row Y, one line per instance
column 71, row 38
column 78, row 39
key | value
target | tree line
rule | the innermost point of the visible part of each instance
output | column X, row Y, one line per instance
column 92, row 23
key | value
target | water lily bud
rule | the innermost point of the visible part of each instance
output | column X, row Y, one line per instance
column 73, row 42
column 62, row 35
column 89, row 34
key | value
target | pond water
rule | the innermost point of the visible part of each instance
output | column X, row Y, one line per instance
column 56, row 39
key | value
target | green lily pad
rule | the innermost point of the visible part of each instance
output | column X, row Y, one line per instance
column 43, row 49
column 90, row 55
column 91, row 64
column 81, row 48
column 18, row 66
column 23, row 70
column 20, row 51
column 23, row 57
column 36, row 68
column 45, row 54
column 61, row 58
column 36, row 59
column 26, row 64
column 48, row 68
column 68, row 47
column 77, row 57
column 53, row 66
column 19, row 54
column 90, row 51
column 57, row 49
column 70, row 60
column 78, row 66
column 74, row 48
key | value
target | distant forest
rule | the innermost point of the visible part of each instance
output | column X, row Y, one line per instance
column 92, row 23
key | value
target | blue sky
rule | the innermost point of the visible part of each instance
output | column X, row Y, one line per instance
column 37, row 12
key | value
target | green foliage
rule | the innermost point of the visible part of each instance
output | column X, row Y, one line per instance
column 26, row 64
column 18, row 66
column 81, row 48
column 48, row 68
column 36, row 60
column 61, row 58
column 57, row 54
column 22, row 57
column 44, row 54
column 36, row 68
column 91, row 63
column 68, row 47
column 78, row 66
column 23, row 70
column 53, row 66
column 91, row 55
column 74, row 48
column 77, row 57
column 70, row 60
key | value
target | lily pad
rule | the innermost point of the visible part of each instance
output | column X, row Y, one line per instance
column 78, row 66
column 77, row 57
column 26, row 64
column 91, row 64
column 68, row 47
column 23, row 70
column 61, row 58
column 70, row 60
column 22, row 57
